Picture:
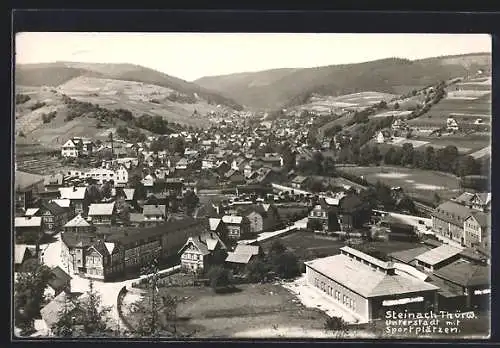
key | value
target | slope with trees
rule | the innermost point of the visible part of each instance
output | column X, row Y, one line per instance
column 295, row 86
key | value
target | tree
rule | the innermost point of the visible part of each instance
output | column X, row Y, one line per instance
column 407, row 204
column 94, row 315
column 317, row 186
column 407, row 154
column 384, row 195
column 396, row 106
column 148, row 309
column 286, row 265
column 106, row 189
column 190, row 202
column 329, row 166
column 429, row 158
column 122, row 132
column 375, row 155
column 218, row 257
column 65, row 326
column 389, row 155
column 337, row 325
column 257, row 270
column 277, row 248
column 467, row 165
column 219, row 278
column 29, row 290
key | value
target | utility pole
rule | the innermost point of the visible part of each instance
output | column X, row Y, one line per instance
column 112, row 145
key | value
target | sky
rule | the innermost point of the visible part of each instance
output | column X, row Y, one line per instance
column 193, row 55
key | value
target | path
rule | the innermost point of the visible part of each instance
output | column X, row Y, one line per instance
column 481, row 153
column 302, row 223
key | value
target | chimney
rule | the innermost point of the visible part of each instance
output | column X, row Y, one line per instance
column 74, row 188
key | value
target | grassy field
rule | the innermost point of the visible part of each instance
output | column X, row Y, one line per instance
column 253, row 307
column 416, row 182
column 463, row 110
column 136, row 97
column 308, row 245
column 465, row 144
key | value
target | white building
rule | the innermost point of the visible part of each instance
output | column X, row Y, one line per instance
column 69, row 149
column 121, row 178
column 451, row 124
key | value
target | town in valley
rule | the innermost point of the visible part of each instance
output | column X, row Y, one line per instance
column 278, row 203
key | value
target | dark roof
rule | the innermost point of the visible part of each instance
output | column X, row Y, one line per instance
column 452, row 212
column 100, row 247
column 481, row 218
column 54, row 208
column 132, row 234
column 406, row 256
column 465, row 274
column 59, row 279
column 77, row 239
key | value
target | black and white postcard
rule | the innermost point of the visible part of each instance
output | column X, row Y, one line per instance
column 184, row 186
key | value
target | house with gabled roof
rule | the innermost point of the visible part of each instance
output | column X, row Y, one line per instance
column 22, row 253
column 477, row 230
column 58, row 282
column 242, row 255
column 448, row 220
column 28, row 229
column 76, row 195
column 79, row 225
column 70, row 149
column 51, row 312
column 154, row 213
column 101, row 213
column 198, row 251
column 237, row 227
column 54, row 217
column 103, row 260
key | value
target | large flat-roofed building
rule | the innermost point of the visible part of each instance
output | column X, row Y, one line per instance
column 368, row 287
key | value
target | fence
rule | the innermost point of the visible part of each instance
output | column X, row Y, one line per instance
column 161, row 274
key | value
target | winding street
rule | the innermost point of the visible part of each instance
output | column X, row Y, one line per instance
column 108, row 290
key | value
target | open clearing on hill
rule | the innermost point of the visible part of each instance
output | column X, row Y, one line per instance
column 416, row 182
column 137, row 97
column 319, row 103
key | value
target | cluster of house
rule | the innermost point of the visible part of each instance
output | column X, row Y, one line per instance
column 399, row 128
column 465, row 220
column 417, row 280
column 110, row 253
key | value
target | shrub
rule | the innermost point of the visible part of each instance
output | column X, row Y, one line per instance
column 37, row 105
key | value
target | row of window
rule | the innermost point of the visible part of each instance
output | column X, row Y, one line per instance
column 473, row 226
column 94, row 271
column 192, row 256
column 346, row 300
